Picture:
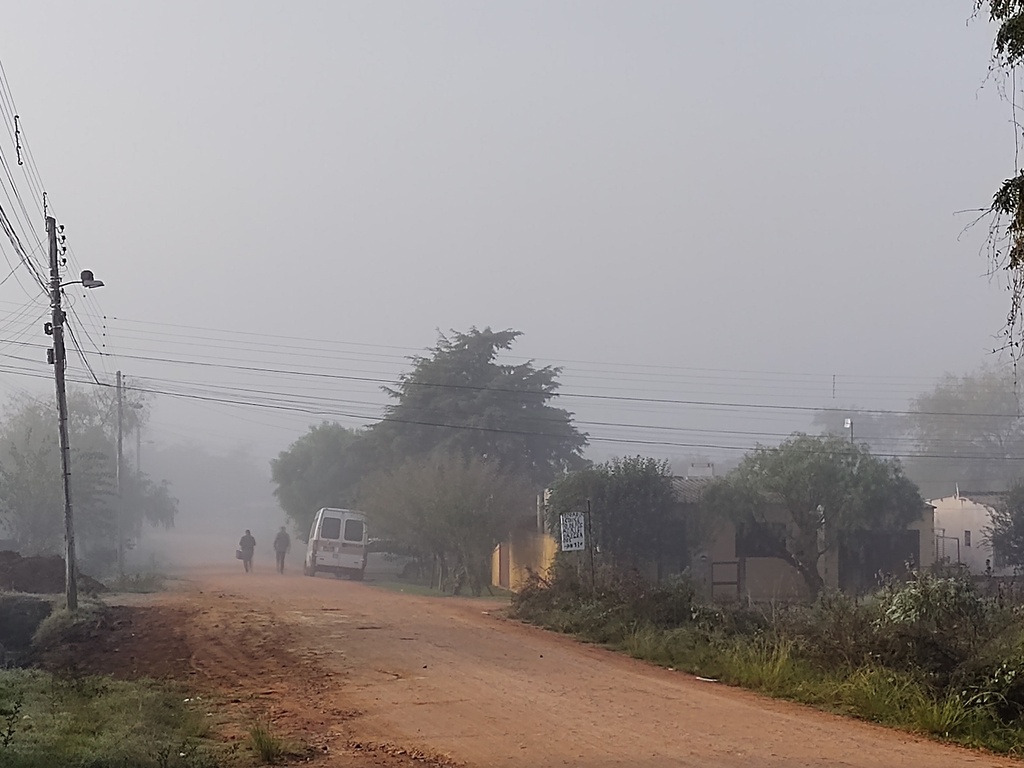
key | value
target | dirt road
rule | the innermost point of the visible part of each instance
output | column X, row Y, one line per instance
column 337, row 663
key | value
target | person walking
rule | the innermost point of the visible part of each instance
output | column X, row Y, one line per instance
column 247, row 544
column 282, row 543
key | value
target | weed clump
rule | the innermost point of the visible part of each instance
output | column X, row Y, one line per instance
column 270, row 748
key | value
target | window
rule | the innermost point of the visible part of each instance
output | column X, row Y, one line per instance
column 330, row 528
column 760, row 539
column 353, row 530
column 967, row 538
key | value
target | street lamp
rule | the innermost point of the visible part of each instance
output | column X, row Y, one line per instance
column 57, row 357
column 87, row 281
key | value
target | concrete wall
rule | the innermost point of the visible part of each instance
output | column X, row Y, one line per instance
column 955, row 516
column 771, row 578
column 523, row 552
column 926, row 525
column 761, row 578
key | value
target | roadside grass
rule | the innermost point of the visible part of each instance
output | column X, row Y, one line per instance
column 138, row 583
column 930, row 657
column 772, row 665
column 48, row 720
column 415, row 588
column 61, row 623
column 269, row 747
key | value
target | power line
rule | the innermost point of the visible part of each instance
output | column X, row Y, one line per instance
column 414, row 351
column 556, row 393
column 608, row 439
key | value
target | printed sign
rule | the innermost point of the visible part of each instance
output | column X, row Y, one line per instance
column 573, row 531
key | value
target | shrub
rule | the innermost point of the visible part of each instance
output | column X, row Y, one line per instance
column 270, row 748
column 932, row 624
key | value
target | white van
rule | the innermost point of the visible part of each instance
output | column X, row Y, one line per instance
column 337, row 543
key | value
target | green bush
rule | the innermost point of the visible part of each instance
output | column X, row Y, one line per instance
column 932, row 624
column 270, row 748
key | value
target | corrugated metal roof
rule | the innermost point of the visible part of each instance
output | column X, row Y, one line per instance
column 690, row 489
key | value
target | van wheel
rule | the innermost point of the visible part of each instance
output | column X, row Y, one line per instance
column 309, row 570
column 357, row 575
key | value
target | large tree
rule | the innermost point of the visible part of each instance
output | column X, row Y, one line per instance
column 321, row 469
column 460, row 399
column 969, row 434
column 450, row 508
column 636, row 518
column 31, row 497
column 1006, row 231
column 818, row 489
column 1006, row 532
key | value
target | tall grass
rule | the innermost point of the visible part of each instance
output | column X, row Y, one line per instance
column 270, row 748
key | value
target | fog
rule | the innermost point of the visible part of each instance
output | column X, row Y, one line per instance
column 724, row 215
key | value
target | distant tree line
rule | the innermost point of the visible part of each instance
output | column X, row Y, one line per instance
column 31, row 491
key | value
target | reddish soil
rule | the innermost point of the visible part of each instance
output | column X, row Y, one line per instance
column 368, row 677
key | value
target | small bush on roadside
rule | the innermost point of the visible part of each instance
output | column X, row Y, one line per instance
column 270, row 748
column 140, row 583
column 62, row 624
column 932, row 624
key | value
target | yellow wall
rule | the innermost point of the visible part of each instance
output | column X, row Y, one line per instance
column 525, row 551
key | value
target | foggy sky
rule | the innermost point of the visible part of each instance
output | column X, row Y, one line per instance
column 750, row 196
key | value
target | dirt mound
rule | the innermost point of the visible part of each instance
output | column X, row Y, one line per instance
column 126, row 642
column 39, row 575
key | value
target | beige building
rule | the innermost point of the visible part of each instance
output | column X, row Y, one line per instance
column 738, row 563
column 735, row 566
column 961, row 531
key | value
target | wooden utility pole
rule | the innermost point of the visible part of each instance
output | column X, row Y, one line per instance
column 59, row 362
column 120, row 476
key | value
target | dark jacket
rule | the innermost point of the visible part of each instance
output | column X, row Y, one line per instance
column 282, row 541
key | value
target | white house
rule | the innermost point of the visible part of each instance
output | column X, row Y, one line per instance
column 961, row 531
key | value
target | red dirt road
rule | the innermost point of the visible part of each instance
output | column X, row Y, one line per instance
column 336, row 663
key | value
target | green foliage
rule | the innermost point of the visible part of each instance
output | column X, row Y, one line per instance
column 1009, row 16
column 1006, row 533
column 269, row 747
column 635, row 515
column 31, row 494
column 451, row 509
column 61, row 624
column 818, row 488
column 10, row 714
column 1006, row 228
column 460, row 420
column 931, row 624
column 460, row 400
column 321, row 469
column 137, row 583
column 98, row 722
